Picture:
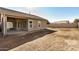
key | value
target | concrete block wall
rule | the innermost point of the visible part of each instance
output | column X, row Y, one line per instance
column 63, row 25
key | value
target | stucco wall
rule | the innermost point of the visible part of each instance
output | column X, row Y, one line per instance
column 43, row 25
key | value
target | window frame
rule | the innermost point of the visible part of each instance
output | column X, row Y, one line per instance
column 39, row 23
column 31, row 24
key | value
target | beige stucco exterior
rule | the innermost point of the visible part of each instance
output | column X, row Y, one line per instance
column 43, row 24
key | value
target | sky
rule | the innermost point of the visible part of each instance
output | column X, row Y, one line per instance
column 52, row 14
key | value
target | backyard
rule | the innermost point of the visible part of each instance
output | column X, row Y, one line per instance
column 64, row 39
column 50, row 39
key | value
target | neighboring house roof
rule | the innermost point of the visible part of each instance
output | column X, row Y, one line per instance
column 14, row 13
column 65, row 21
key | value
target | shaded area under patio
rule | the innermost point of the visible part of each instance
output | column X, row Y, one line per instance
column 12, row 41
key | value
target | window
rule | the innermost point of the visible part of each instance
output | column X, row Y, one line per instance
column 39, row 23
column 30, row 22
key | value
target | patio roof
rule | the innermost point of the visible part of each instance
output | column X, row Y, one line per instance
column 13, row 13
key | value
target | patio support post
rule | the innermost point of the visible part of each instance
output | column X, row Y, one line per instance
column 17, row 25
column 4, row 24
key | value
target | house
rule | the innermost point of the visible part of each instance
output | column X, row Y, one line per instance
column 13, row 21
column 76, row 21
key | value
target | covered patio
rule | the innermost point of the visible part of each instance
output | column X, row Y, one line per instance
column 17, row 24
column 13, row 25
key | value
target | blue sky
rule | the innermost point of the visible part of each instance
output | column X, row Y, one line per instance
column 53, row 14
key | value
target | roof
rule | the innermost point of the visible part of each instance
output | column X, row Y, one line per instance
column 10, row 12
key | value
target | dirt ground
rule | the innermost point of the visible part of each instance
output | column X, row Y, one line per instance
column 64, row 39
column 11, row 41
